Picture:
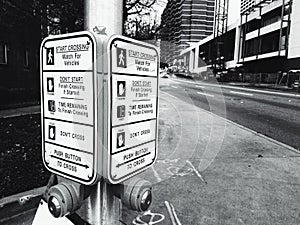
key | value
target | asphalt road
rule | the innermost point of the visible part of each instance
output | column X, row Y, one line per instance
column 274, row 114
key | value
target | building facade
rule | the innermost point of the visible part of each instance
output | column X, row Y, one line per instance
column 263, row 46
column 19, row 60
column 185, row 22
column 247, row 5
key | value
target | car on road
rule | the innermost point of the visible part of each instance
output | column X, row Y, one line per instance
column 163, row 74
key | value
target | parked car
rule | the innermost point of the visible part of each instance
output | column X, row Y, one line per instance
column 163, row 74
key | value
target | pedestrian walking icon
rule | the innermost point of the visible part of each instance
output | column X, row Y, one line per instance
column 50, row 85
column 50, row 56
column 121, row 86
column 52, row 132
column 120, row 140
column 121, row 57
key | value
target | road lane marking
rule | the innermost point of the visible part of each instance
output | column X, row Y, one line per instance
column 241, row 88
column 241, row 93
column 196, row 171
column 208, row 95
column 173, row 86
column 198, row 86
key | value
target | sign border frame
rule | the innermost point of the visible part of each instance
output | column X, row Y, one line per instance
column 91, row 37
column 109, row 121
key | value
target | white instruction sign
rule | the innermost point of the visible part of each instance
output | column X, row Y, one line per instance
column 133, row 99
column 69, row 122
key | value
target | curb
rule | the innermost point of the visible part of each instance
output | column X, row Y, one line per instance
column 20, row 112
column 18, row 204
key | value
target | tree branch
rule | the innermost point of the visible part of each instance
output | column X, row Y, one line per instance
column 135, row 12
column 132, row 4
column 148, row 5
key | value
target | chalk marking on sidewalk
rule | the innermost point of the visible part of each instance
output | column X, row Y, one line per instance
column 177, row 173
column 196, row 171
column 246, row 128
column 175, row 215
column 242, row 88
column 170, row 212
column 139, row 221
column 208, row 95
column 156, row 174
column 241, row 93
column 173, row 86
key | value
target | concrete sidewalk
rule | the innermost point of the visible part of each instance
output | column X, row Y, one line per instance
column 213, row 171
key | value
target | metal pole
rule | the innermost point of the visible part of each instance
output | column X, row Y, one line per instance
column 104, row 13
column 281, row 27
column 102, row 207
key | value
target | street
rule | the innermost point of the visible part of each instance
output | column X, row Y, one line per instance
column 275, row 115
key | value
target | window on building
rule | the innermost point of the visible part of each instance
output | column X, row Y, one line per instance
column 26, row 58
column 251, row 47
column 253, row 25
column 202, row 57
column 283, row 43
column 287, row 9
column 3, row 53
column 270, row 42
column 272, row 17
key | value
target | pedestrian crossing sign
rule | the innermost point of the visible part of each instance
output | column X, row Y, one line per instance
column 121, row 57
column 50, row 56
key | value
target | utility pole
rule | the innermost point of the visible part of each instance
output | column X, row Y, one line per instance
column 102, row 206
column 220, row 27
column 103, row 13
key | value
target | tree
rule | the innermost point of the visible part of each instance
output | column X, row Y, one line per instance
column 54, row 16
column 12, row 13
column 140, row 21
column 63, row 16
column 132, row 7
column 140, row 28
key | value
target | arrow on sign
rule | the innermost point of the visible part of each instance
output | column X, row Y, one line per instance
column 78, row 164
column 121, row 164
